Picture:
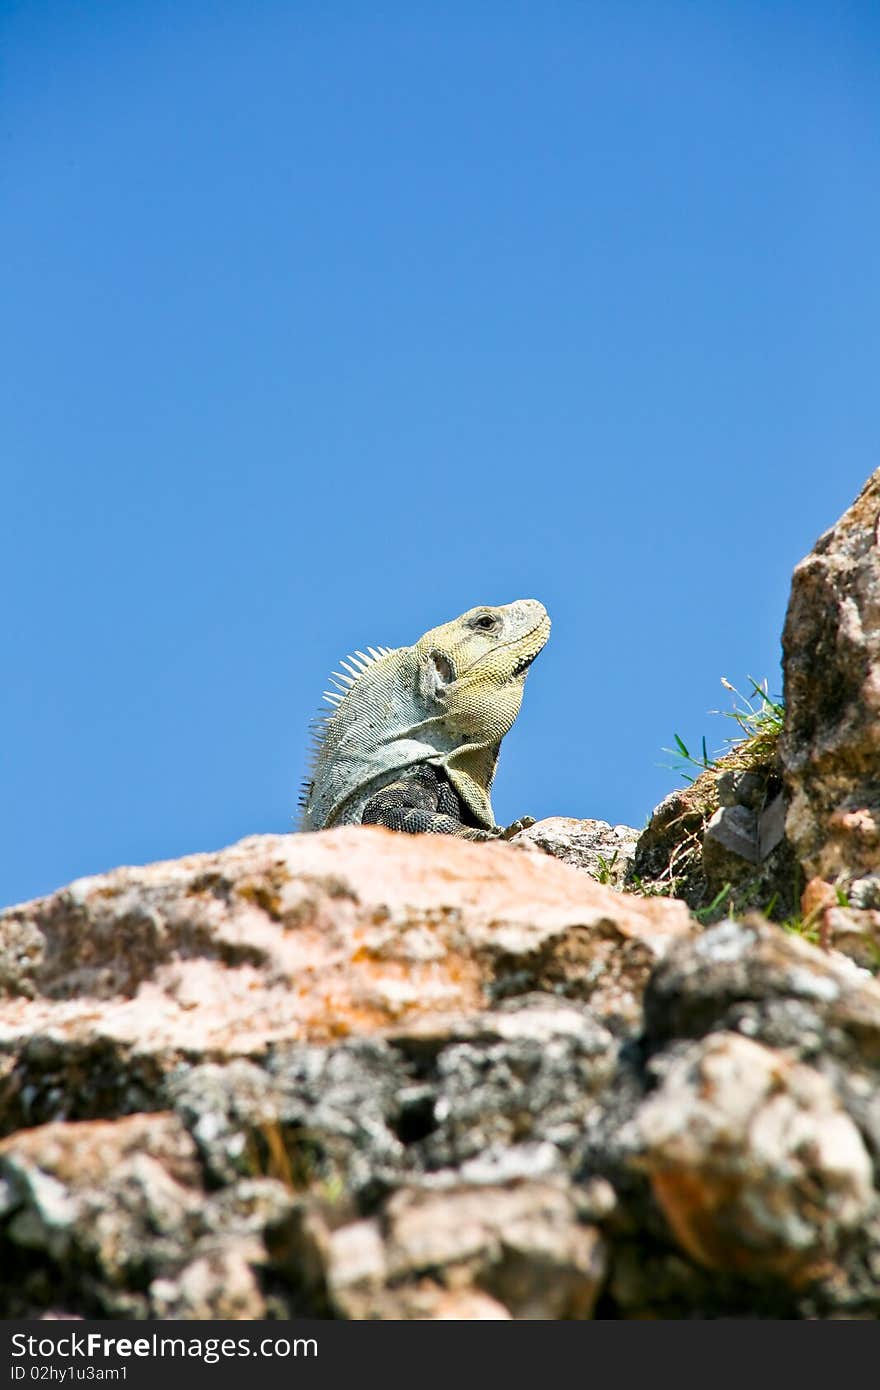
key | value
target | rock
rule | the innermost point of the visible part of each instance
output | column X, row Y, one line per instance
column 853, row 931
column 865, row 892
column 771, row 826
column 604, row 851
column 755, row 1121
column 669, row 851
column 756, row 1165
column 524, row 1246
column 737, row 788
column 737, row 836
column 492, row 1097
column 338, row 1033
column 817, row 896
column 733, row 830
column 221, row 1284
column 719, row 844
column 831, row 662
column 753, row 978
column 463, row 1112
column 92, row 1208
column 296, row 939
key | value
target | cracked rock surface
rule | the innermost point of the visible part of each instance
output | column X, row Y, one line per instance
column 365, row 1075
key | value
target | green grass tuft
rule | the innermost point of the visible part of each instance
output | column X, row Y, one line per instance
column 759, row 719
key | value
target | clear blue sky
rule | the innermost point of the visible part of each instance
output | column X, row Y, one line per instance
column 325, row 322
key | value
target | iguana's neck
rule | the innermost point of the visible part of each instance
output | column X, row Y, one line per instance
column 471, row 770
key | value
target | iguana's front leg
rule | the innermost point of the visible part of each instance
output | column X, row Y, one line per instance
column 421, row 803
column 516, row 826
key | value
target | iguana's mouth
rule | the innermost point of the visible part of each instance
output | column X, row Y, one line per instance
column 523, row 665
column 538, row 635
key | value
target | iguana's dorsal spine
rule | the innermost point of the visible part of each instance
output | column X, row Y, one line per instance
column 342, row 682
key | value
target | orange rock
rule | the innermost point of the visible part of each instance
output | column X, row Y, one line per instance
column 817, row 896
column 754, row 1162
column 321, row 936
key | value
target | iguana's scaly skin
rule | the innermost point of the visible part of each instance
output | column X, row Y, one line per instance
column 414, row 739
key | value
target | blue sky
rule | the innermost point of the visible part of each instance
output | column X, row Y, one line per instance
column 324, row 323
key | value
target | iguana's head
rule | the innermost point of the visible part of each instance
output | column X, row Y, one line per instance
column 448, row 700
column 472, row 671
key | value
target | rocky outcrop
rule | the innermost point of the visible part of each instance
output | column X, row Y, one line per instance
column 791, row 824
column 358, row 1074
column 719, row 844
column 225, row 1080
column 831, row 746
column 302, row 937
column 603, row 851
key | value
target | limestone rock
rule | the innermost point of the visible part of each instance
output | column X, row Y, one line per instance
column 738, row 788
column 754, row 978
column 831, row 662
column 285, row 939
column 853, row 931
column 754, row 1162
column 604, row 851
column 354, row 1033
column 91, row 1208
column 495, row 1096
column 771, row 826
column 524, row 1245
column 365, row 1075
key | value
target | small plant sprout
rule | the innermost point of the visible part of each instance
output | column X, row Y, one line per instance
column 683, row 754
column 759, row 719
column 706, row 914
column 606, row 867
column 757, row 714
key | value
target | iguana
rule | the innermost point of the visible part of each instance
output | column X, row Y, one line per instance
column 413, row 741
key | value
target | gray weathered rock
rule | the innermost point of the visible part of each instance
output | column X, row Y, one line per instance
column 524, row 1245
column 334, row 1029
column 754, row 1161
column 604, row 851
column 733, row 829
column 738, row 788
column 96, row 1209
column 831, row 661
column 502, row 1153
column 771, row 826
column 865, row 892
column 750, row 977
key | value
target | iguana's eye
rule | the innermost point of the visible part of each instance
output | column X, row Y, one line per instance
column 486, row 622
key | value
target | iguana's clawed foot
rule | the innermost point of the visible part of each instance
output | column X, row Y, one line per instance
column 522, row 824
